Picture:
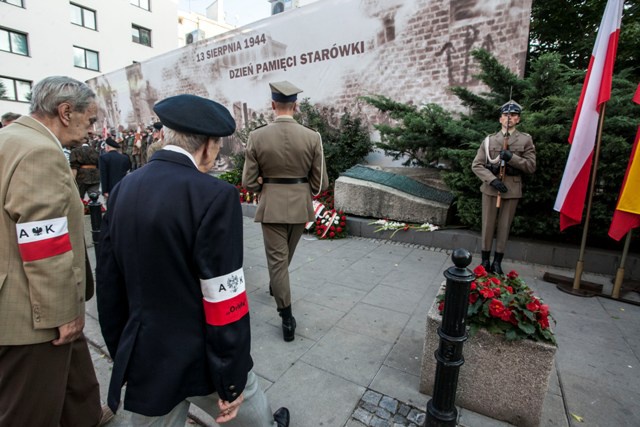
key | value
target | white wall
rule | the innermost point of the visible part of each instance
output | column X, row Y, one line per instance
column 51, row 37
column 189, row 21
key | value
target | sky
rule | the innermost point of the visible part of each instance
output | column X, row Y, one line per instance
column 238, row 12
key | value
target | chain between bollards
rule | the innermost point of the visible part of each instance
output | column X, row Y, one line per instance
column 441, row 409
column 95, row 213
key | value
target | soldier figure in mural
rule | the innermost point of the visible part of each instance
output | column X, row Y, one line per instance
column 500, row 162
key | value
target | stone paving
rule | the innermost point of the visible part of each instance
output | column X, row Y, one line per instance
column 361, row 307
column 378, row 410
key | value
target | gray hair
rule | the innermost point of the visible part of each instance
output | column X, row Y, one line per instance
column 9, row 117
column 50, row 92
column 189, row 142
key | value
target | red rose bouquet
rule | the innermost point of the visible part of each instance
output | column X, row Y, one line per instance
column 247, row 196
column 506, row 305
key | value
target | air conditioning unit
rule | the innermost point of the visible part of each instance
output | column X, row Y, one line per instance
column 279, row 6
column 194, row 36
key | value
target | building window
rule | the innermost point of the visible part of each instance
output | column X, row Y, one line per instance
column 13, row 2
column 15, row 89
column 14, row 42
column 142, row 4
column 140, row 35
column 85, row 58
column 83, row 16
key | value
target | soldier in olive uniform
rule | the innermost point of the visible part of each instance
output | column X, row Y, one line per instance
column 84, row 165
column 519, row 158
column 285, row 162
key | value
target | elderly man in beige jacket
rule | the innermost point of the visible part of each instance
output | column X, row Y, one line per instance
column 46, row 372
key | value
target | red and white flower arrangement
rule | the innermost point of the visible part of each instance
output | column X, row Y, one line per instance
column 506, row 305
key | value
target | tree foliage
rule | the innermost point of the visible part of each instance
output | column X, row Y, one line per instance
column 568, row 27
column 548, row 94
column 345, row 143
column 3, row 91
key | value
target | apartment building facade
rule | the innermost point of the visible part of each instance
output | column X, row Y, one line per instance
column 78, row 38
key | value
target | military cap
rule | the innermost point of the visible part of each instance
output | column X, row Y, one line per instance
column 110, row 141
column 284, row 92
column 195, row 115
column 511, row 107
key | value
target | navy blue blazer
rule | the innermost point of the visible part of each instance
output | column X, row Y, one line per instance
column 171, row 296
column 113, row 167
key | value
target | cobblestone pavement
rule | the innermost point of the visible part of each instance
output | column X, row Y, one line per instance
column 378, row 410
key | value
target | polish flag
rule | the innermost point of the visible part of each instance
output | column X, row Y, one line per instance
column 627, row 213
column 595, row 92
column 104, row 128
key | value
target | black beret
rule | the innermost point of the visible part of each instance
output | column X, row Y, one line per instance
column 195, row 115
column 112, row 143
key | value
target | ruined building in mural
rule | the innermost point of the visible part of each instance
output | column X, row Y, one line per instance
column 336, row 50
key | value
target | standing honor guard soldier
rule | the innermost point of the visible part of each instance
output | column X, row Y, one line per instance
column 285, row 163
column 500, row 162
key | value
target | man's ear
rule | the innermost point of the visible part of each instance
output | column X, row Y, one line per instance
column 64, row 113
column 273, row 105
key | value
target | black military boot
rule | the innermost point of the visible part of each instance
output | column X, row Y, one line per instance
column 486, row 260
column 496, row 267
column 288, row 324
column 281, row 417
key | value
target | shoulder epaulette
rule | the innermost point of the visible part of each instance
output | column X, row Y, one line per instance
column 310, row 128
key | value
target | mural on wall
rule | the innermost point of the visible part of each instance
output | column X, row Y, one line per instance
column 336, row 50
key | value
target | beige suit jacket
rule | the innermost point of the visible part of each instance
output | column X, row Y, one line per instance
column 42, row 248
column 285, row 149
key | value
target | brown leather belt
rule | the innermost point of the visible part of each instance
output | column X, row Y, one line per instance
column 88, row 167
column 285, row 180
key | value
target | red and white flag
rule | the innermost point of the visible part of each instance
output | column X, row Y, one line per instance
column 104, row 128
column 627, row 213
column 595, row 92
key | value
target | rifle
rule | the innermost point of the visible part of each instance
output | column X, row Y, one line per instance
column 503, row 164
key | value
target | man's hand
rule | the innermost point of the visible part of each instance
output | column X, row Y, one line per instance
column 499, row 185
column 229, row 410
column 70, row 331
column 506, row 155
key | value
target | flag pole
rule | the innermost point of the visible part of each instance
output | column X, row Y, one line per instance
column 617, row 284
column 580, row 264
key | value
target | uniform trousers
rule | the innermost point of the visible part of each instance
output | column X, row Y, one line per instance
column 43, row 385
column 504, row 217
column 253, row 412
column 280, row 241
column 88, row 188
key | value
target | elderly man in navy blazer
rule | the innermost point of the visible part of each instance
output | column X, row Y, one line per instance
column 171, row 289
column 113, row 166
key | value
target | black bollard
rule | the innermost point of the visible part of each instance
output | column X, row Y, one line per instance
column 95, row 212
column 441, row 409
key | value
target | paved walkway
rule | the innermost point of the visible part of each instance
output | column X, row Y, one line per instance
column 361, row 308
